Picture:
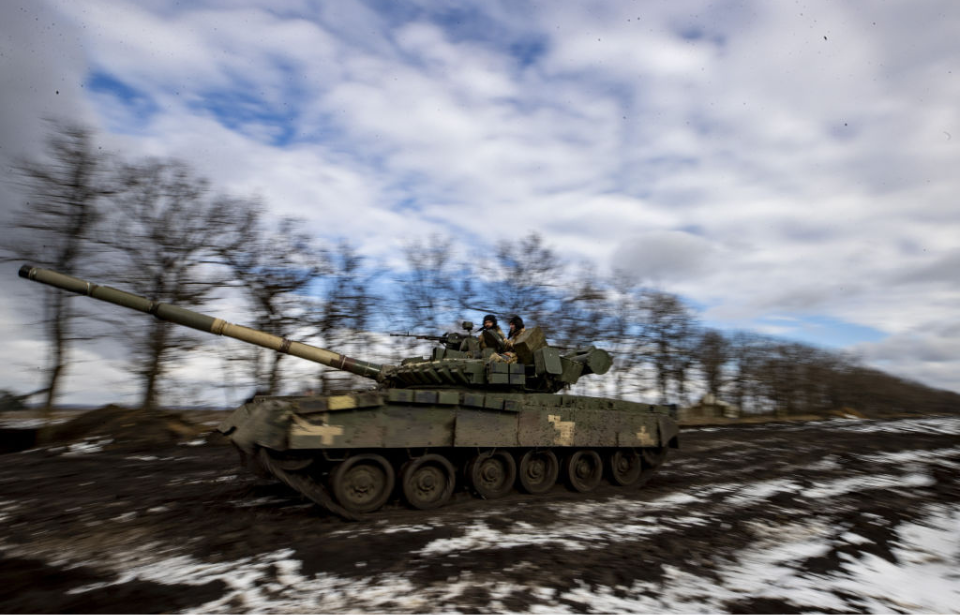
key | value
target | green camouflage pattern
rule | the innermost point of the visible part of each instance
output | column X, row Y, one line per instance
column 398, row 419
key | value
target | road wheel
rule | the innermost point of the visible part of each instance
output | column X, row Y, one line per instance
column 625, row 467
column 427, row 481
column 492, row 474
column 363, row 483
column 583, row 470
column 538, row 471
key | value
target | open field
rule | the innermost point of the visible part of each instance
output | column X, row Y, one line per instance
column 830, row 516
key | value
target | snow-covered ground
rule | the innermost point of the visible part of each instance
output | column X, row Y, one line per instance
column 926, row 577
column 847, row 528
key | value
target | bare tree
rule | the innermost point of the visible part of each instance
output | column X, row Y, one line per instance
column 345, row 313
column 626, row 335
column 712, row 355
column 796, row 376
column 429, row 291
column 274, row 265
column 524, row 277
column 748, row 351
column 582, row 311
column 169, row 230
column 668, row 324
column 56, row 228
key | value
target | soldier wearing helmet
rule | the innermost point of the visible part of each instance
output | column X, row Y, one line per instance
column 491, row 336
column 516, row 329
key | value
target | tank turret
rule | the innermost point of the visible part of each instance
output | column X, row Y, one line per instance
column 532, row 365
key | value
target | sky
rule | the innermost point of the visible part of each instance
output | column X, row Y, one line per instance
column 789, row 168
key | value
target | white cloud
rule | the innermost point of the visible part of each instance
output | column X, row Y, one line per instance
column 665, row 256
column 41, row 76
column 764, row 159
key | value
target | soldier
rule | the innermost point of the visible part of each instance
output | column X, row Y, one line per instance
column 516, row 329
column 491, row 336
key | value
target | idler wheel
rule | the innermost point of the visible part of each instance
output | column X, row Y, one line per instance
column 427, row 481
column 625, row 467
column 583, row 470
column 290, row 463
column 363, row 483
column 492, row 474
column 538, row 471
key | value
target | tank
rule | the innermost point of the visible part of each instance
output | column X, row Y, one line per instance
column 469, row 416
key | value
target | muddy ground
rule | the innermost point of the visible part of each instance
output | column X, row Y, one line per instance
column 834, row 516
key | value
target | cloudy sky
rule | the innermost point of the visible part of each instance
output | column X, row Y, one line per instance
column 791, row 167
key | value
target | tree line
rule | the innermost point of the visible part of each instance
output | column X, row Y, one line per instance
column 156, row 228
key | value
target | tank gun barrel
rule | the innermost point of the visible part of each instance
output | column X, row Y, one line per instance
column 201, row 322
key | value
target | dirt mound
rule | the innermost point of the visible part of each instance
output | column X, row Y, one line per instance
column 116, row 427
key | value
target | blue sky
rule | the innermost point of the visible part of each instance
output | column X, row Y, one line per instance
column 790, row 168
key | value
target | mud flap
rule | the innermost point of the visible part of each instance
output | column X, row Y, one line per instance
column 668, row 432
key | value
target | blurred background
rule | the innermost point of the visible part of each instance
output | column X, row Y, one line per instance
column 749, row 202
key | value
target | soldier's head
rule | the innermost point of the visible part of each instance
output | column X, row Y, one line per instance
column 489, row 321
column 516, row 323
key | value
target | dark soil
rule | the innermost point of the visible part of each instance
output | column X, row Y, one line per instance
column 66, row 516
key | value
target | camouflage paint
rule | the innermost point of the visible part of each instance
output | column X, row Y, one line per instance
column 402, row 418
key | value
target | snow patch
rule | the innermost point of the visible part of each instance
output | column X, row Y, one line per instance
column 87, row 446
column 764, row 490
column 940, row 456
column 479, row 537
column 925, row 581
column 842, row 486
column 855, row 539
column 30, row 423
column 944, row 425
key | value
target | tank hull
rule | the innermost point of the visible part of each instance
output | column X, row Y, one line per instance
column 480, row 440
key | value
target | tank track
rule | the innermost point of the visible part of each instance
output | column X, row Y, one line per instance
column 487, row 474
column 305, row 485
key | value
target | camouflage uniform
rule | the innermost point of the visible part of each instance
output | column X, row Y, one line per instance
column 513, row 338
column 496, row 330
column 508, row 356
